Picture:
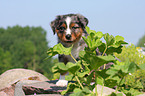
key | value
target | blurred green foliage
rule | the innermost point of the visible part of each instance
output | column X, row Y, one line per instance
column 131, row 54
column 24, row 47
column 5, row 60
column 141, row 42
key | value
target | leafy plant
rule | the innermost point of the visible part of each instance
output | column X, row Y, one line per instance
column 135, row 80
column 90, row 63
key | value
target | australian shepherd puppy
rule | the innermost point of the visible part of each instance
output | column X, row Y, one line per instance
column 69, row 28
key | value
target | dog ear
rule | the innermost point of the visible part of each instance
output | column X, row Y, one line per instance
column 54, row 23
column 83, row 20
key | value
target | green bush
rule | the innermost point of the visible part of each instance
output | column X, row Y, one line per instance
column 115, row 76
column 132, row 54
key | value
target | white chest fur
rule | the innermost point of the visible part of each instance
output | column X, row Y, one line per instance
column 77, row 47
column 75, row 50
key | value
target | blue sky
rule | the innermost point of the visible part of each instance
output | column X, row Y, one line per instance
column 116, row 17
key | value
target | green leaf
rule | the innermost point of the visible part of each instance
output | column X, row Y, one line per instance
column 110, row 83
column 62, row 66
column 92, row 31
column 124, row 68
column 61, row 49
column 107, row 58
column 92, row 40
column 77, row 90
column 59, row 67
column 103, row 74
column 119, row 43
column 121, row 74
column 86, row 90
column 113, row 49
column 87, row 29
column 109, row 39
column 64, row 92
column 70, row 65
column 102, row 47
column 97, row 43
column 142, row 66
column 89, row 78
column 86, row 40
column 78, row 94
column 100, row 81
column 54, row 69
column 132, row 67
column 83, row 72
column 93, row 60
column 132, row 92
column 72, row 68
column 116, row 94
column 99, row 34
column 69, row 77
column 81, row 54
column 70, row 88
column 112, row 72
column 119, row 38
column 51, row 53
column 120, row 69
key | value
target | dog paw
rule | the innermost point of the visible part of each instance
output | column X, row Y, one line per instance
column 61, row 83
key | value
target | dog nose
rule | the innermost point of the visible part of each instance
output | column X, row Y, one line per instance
column 68, row 36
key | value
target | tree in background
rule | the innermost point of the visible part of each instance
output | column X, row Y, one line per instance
column 24, row 47
column 5, row 60
column 141, row 42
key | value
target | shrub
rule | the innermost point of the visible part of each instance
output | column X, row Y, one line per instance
column 132, row 54
column 115, row 76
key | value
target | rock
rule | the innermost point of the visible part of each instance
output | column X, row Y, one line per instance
column 18, row 88
column 50, row 89
column 2, row 93
column 106, row 91
column 9, row 91
column 9, row 79
column 45, row 95
column 12, row 76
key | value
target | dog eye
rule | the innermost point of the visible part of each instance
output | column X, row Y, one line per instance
column 61, row 28
column 75, row 27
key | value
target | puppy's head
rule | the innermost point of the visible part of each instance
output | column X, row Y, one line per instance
column 70, row 27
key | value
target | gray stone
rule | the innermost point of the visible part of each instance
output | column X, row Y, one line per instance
column 12, row 76
column 2, row 93
column 106, row 91
column 9, row 79
column 50, row 89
